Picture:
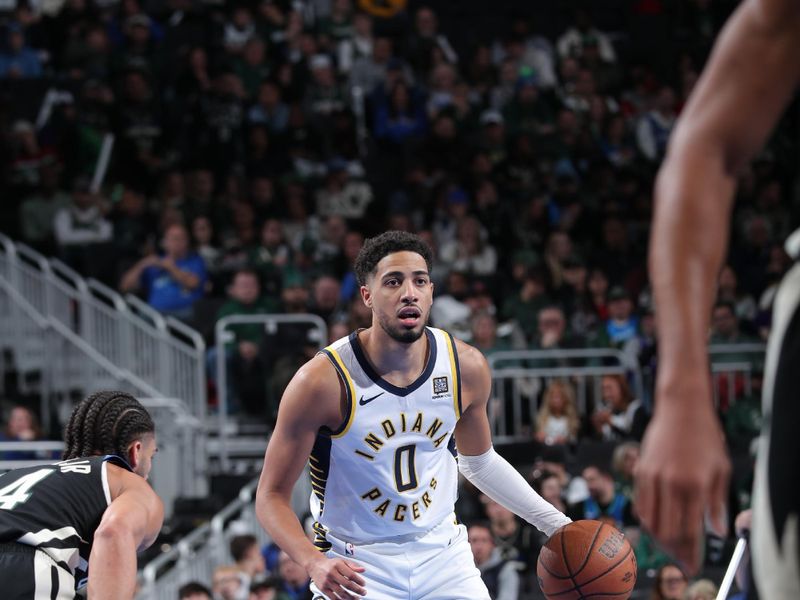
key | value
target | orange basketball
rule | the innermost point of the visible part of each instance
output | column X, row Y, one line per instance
column 587, row 559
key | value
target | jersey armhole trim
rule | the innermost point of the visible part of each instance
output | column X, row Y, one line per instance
column 350, row 391
column 456, row 369
column 104, row 478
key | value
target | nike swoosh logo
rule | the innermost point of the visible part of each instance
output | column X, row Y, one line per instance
column 363, row 401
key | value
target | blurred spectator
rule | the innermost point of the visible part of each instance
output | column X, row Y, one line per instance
column 621, row 416
column 358, row 43
column 557, row 421
column 269, row 109
column 342, row 196
column 267, row 589
column 229, row 583
column 425, row 40
column 368, row 72
column 350, row 289
column 22, row 426
column 401, row 118
column 515, row 540
column 450, row 311
column 245, row 367
column 38, row 210
column 671, row 583
column 655, row 126
column 725, row 325
column 18, row 61
column 194, row 591
column 247, row 556
column 485, row 336
column 617, row 143
column 83, row 232
column 622, row 327
column 270, row 257
column 551, row 331
column 88, row 57
column 324, row 95
column 548, row 486
column 703, row 589
column 469, row 252
column 604, row 502
column 27, row 156
column 727, row 290
column 139, row 152
column 524, row 306
column 573, row 40
column 239, row 29
column 252, row 67
column 172, row 282
column 325, row 296
column 623, row 464
column 206, row 243
column 552, row 459
column 294, row 578
column 501, row 576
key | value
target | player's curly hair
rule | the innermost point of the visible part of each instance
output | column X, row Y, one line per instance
column 106, row 422
column 374, row 249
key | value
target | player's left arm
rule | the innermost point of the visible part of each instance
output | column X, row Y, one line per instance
column 130, row 523
column 477, row 459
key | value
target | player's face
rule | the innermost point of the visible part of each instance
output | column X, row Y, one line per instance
column 400, row 295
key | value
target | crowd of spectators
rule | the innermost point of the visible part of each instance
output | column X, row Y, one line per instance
column 257, row 144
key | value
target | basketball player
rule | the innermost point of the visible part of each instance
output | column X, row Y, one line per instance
column 684, row 470
column 89, row 512
column 380, row 414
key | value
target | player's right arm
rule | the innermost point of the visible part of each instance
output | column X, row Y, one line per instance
column 749, row 80
column 311, row 400
column 130, row 523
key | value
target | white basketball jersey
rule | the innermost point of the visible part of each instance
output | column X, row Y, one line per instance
column 390, row 469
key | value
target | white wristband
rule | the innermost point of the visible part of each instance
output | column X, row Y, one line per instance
column 496, row 478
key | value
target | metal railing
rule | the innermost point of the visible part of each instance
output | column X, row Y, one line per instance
column 318, row 333
column 161, row 355
column 520, row 376
column 45, row 453
column 195, row 557
column 72, row 334
column 733, row 367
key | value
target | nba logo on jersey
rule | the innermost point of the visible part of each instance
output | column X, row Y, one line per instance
column 440, row 385
column 349, row 549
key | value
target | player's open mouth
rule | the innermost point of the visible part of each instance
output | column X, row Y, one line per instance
column 409, row 316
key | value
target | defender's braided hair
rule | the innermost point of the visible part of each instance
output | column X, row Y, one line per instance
column 106, row 422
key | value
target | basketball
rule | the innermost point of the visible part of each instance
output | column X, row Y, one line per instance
column 587, row 559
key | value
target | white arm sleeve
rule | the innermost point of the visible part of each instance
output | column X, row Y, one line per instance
column 492, row 475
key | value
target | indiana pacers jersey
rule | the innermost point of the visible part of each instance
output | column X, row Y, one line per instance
column 390, row 469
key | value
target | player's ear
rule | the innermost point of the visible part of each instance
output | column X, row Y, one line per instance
column 366, row 295
column 134, row 454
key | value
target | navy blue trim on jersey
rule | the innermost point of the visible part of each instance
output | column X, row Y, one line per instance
column 319, row 462
column 348, row 396
column 361, row 357
column 458, row 371
column 117, row 460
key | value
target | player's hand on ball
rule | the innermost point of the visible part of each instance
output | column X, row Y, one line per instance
column 338, row 577
column 682, row 473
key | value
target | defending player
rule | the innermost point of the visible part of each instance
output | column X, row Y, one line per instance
column 89, row 512
column 380, row 413
column 684, row 471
